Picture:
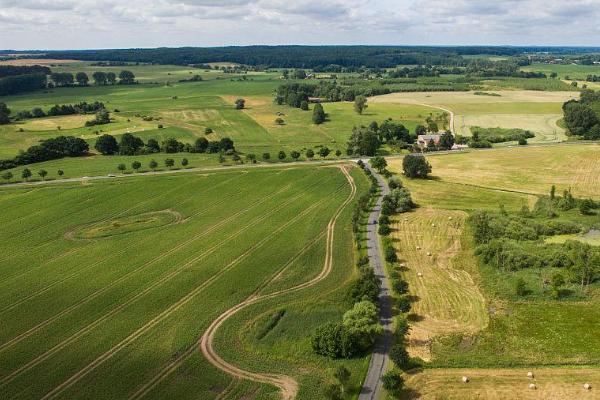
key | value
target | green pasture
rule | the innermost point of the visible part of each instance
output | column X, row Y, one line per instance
column 154, row 290
column 578, row 72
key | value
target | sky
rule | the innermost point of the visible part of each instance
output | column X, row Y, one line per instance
column 90, row 24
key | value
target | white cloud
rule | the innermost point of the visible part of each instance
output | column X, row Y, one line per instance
column 150, row 23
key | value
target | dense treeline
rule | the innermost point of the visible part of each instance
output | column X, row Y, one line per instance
column 580, row 116
column 48, row 149
column 61, row 109
column 12, row 70
column 22, row 83
column 133, row 145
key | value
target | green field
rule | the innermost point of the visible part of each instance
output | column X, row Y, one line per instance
column 167, row 255
column 578, row 72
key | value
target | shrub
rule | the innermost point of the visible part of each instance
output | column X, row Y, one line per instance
column 393, row 383
column 384, row 230
column 399, row 356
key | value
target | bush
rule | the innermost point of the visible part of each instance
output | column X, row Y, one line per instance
column 384, row 230
column 393, row 383
column 333, row 340
column 399, row 356
column 366, row 287
column 404, row 304
column 521, row 288
column 400, row 286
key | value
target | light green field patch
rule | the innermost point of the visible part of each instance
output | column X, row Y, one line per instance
column 592, row 238
column 127, row 224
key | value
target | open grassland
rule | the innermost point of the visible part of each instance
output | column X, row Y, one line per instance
column 528, row 170
column 579, row 72
column 167, row 256
column 447, row 297
column 551, row 384
column 537, row 111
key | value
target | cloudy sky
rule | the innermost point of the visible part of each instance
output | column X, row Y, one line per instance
column 74, row 24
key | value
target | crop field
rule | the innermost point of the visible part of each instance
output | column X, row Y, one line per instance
column 168, row 256
column 538, row 111
column 530, row 170
column 467, row 320
column 448, row 300
column 579, row 72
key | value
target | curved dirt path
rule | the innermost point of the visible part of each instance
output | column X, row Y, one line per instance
column 287, row 384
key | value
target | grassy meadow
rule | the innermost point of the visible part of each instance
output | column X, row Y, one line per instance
column 167, row 256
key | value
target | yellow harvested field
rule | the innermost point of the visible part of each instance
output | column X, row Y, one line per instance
column 52, row 123
column 501, row 384
column 438, row 269
column 450, row 98
column 544, row 125
column 529, row 170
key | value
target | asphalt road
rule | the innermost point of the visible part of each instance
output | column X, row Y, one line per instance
column 372, row 387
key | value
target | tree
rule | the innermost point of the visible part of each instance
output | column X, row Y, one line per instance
column 304, row 105
column 552, row 192
column 578, row 117
column 153, row 164
column 136, row 165
column 342, row 374
column 360, row 104
column 240, row 104
column 169, row 162
column 266, row 156
column 208, row 131
column 152, row 146
column 7, row 176
column 324, row 151
column 415, row 166
column 107, row 145
column 171, row 145
column 310, row 154
column 26, row 174
column 338, row 153
column 393, row 383
column 281, row 155
column 226, row 144
column 295, row 155
column 121, row 167
column 362, row 321
column 399, row 356
column 318, row 114
column 99, row 78
column 363, row 142
column 4, row 114
column 447, row 141
column 37, row 112
column 42, row 173
column 379, row 163
column 111, row 78
column 420, row 130
column 333, row 340
column 130, row 145
column 251, row 157
column 126, row 78
column 201, row 145
column 82, row 79
column 522, row 141
column 184, row 162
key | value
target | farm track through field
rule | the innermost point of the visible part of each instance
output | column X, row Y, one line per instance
column 172, row 274
column 171, row 309
column 98, row 262
column 286, row 384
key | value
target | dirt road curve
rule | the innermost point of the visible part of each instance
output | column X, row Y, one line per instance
column 372, row 388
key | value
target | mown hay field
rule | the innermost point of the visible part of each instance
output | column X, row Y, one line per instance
column 91, row 315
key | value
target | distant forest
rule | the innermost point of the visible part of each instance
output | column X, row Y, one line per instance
column 303, row 56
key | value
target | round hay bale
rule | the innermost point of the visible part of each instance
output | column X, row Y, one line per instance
column 433, row 225
column 530, row 375
column 587, row 386
column 428, row 254
column 465, row 379
column 450, row 218
column 420, row 275
column 532, row 386
column 418, row 247
column 402, row 265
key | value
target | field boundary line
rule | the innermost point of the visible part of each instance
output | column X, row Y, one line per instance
column 170, row 310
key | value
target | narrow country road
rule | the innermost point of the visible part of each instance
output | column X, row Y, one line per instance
column 372, row 387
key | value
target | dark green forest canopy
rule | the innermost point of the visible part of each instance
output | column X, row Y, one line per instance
column 304, row 56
